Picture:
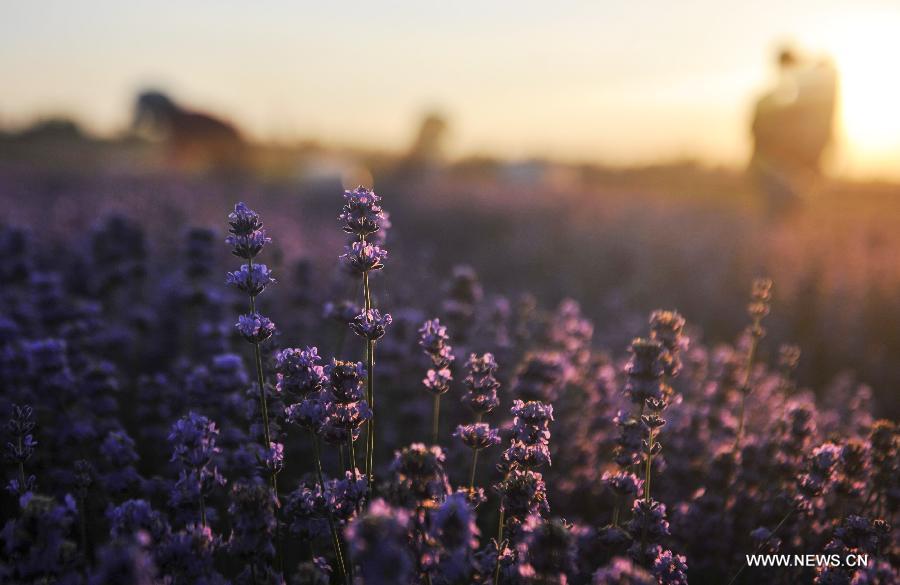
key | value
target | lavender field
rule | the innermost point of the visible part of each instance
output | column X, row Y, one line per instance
column 456, row 380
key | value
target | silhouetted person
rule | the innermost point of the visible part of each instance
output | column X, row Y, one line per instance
column 792, row 128
column 196, row 139
column 426, row 153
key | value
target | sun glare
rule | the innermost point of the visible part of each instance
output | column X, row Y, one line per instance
column 864, row 50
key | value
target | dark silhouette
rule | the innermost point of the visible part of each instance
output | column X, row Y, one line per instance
column 793, row 124
column 195, row 139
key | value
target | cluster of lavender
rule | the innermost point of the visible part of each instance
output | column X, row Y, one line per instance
column 671, row 462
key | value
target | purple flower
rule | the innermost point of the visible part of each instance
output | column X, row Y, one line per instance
column 454, row 535
column 645, row 370
column 623, row 483
column 622, row 571
column 667, row 328
column 370, row 324
column 188, row 556
column 434, row 341
column 193, row 439
column 243, row 220
column 362, row 215
column 379, row 544
column 523, row 493
column 21, row 446
column 252, row 280
column 309, row 413
column 453, row 524
column 529, row 456
column 133, row 516
column 248, row 245
column 531, row 422
column 482, row 385
column 670, row 569
column 541, row 376
column 346, row 380
column 417, row 475
column 251, row 510
column 824, row 458
column 306, row 512
column 363, row 257
column 649, row 520
column 437, row 381
column 548, row 549
column 274, row 458
column 345, row 496
column 299, row 371
column 348, row 415
column 255, row 327
column 477, row 436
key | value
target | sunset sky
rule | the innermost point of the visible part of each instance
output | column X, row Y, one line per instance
column 620, row 82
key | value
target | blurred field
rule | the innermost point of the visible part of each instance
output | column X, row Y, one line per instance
column 620, row 241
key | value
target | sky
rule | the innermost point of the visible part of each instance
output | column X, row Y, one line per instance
column 617, row 82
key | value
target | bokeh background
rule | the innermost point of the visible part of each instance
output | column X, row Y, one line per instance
column 628, row 155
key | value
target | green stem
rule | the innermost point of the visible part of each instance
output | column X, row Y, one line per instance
column 499, row 545
column 83, row 521
column 264, row 409
column 472, row 476
column 762, row 544
column 335, row 541
column 370, row 390
column 745, row 387
column 649, row 464
column 435, row 423
column 202, row 500
column 352, row 454
column 370, row 434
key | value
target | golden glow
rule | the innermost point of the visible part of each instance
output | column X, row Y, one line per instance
column 865, row 47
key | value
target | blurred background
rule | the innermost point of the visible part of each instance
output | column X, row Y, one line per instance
column 628, row 155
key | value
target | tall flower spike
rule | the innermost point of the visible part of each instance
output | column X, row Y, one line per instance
column 247, row 239
column 481, row 383
column 434, row 341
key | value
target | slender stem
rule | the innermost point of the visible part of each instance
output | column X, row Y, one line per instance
column 335, row 541
column 370, row 390
column 745, row 387
column 83, row 521
column 353, row 461
column 615, row 518
column 649, row 464
column 762, row 544
column 352, row 455
column 472, row 476
column 202, row 499
column 499, row 545
column 370, row 435
column 435, row 423
column 264, row 409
